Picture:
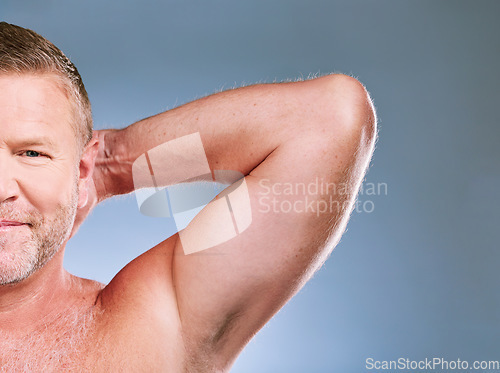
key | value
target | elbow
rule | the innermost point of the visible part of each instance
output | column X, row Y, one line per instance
column 348, row 109
column 347, row 124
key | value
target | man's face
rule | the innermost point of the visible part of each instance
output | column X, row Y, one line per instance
column 38, row 173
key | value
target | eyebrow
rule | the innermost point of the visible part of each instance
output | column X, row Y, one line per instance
column 38, row 141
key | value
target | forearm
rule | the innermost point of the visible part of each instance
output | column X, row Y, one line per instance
column 238, row 129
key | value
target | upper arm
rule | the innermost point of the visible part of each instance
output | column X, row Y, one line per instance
column 299, row 198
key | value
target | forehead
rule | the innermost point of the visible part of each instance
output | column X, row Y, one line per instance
column 34, row 104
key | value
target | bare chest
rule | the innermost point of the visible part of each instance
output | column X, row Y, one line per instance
column 56, row 346
column 84, row 343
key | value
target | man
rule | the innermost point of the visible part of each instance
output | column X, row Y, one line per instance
column 191, row 303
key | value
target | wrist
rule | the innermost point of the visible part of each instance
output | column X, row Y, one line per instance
column 113, row 165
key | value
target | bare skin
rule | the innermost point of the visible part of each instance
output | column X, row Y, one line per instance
column 167, row 311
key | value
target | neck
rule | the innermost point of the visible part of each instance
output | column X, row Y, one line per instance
column 37, row 299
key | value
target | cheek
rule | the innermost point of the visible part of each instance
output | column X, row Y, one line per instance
column 47, row 188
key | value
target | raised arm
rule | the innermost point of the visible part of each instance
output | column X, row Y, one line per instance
column 303, row 148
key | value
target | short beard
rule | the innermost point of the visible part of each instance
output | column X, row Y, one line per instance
column 47, row 238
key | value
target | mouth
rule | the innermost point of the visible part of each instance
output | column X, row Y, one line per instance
column 11, row 224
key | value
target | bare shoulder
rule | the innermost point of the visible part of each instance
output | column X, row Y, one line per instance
column 138, row 322
column 145, row 281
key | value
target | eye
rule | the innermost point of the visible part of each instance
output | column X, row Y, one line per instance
column 32, row 153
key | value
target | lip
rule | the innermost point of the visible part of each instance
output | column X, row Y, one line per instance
column 10, row 224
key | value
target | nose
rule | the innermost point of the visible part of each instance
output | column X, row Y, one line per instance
column 9, row 189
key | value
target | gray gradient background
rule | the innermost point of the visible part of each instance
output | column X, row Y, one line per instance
column 417, row 277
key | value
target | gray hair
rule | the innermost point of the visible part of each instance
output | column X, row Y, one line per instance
column 25, row 51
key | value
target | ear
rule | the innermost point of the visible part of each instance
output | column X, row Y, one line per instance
column 86, row 170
